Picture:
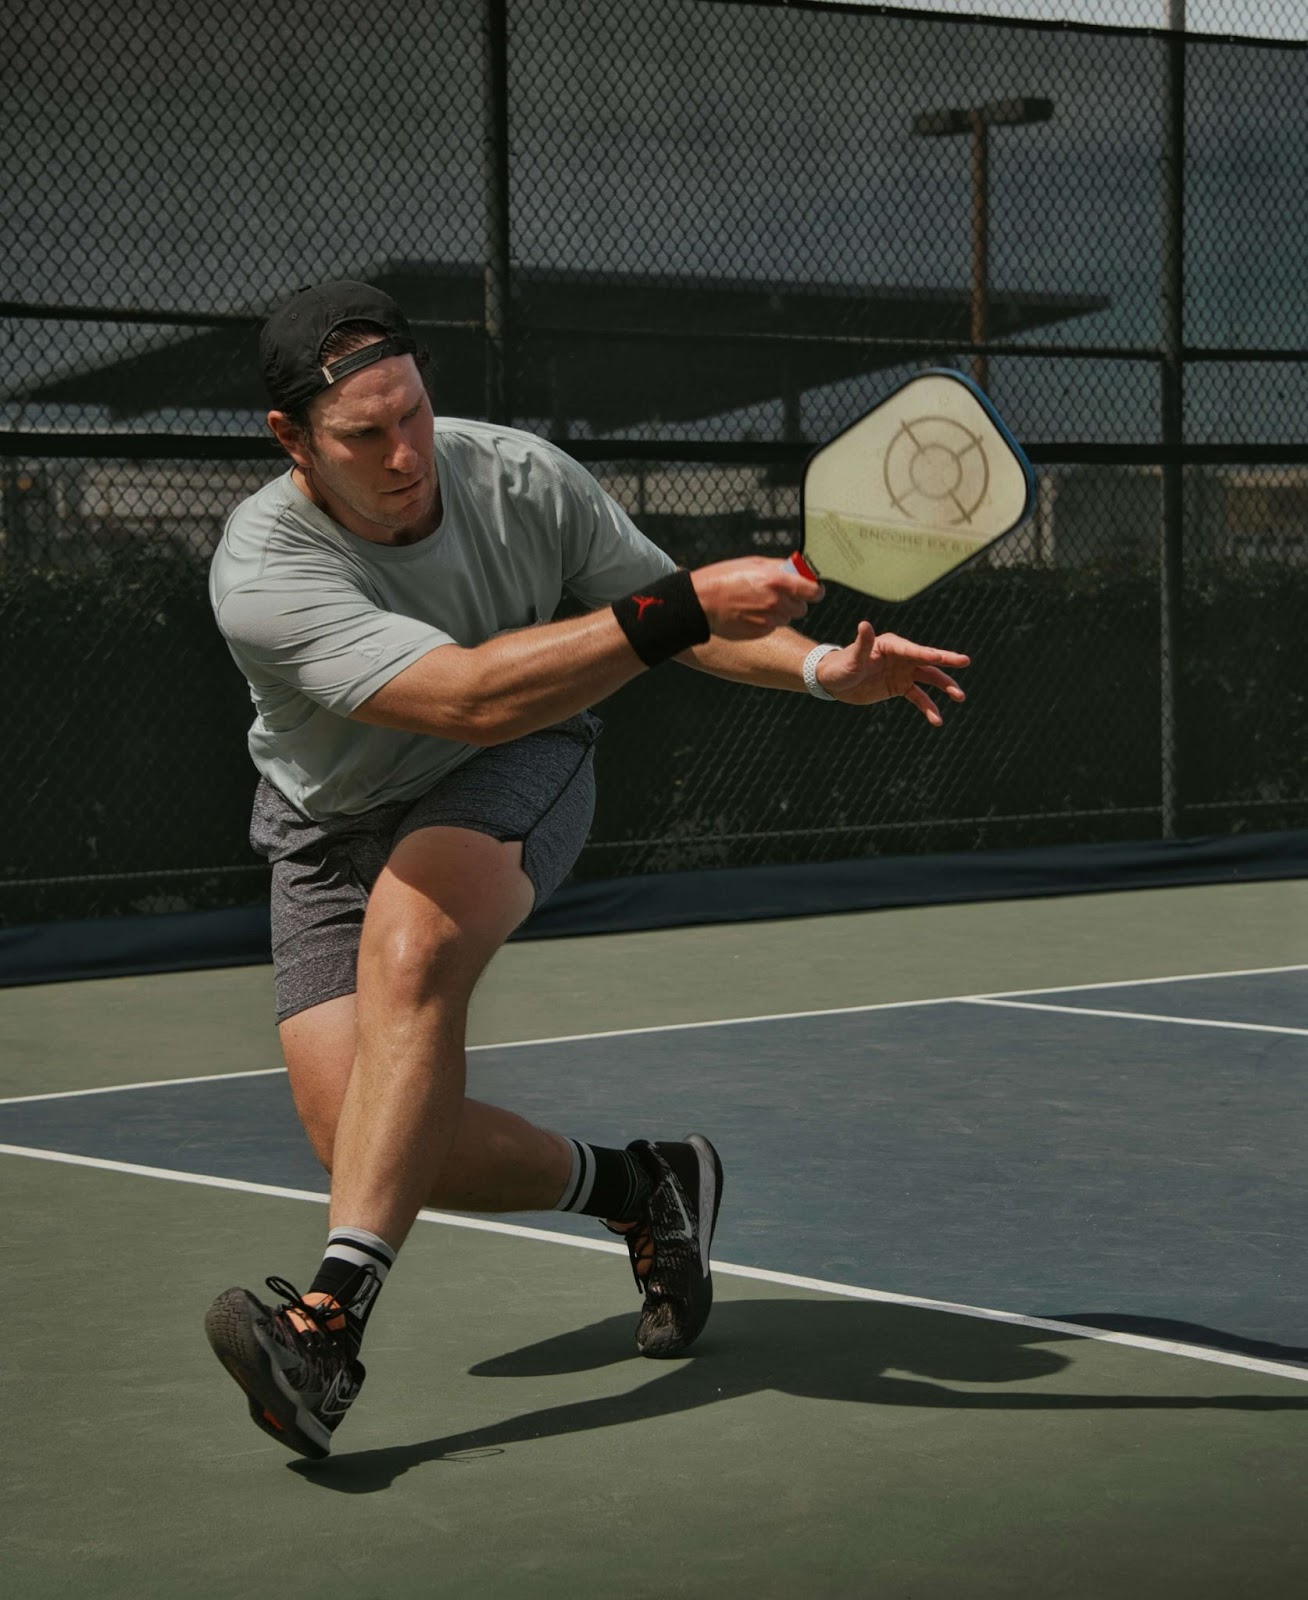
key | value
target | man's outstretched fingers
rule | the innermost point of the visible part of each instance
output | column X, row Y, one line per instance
column 892, row 644
column 924, row 703
column 941, row 680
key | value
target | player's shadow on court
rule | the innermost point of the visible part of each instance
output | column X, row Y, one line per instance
column 849, row 1351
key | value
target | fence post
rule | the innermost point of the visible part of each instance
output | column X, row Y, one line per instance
column 495, row 210
column 1172, row 377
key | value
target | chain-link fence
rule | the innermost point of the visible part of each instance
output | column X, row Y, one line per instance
column 687, row 240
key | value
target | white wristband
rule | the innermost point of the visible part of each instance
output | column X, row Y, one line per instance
column 810, row 670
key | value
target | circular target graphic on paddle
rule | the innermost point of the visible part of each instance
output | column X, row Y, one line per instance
column 936, row 471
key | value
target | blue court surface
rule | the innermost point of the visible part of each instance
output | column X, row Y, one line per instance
column 1127, row 1156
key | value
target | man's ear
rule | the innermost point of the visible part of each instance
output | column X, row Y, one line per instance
column 291, row 438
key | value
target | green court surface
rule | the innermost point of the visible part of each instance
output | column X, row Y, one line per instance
column 839, row 1440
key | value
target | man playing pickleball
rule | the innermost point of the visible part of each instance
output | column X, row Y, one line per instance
column 424, row 745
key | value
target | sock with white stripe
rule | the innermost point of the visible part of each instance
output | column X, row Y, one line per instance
column 604, row 1183
column 354, row 1267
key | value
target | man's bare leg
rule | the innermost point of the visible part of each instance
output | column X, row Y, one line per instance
column 444, row 903
column 405, row 1135
column 498, row 1161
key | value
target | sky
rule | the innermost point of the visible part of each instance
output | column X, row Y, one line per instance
column 1256, row 19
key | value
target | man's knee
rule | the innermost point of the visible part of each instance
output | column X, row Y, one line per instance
column 413, row 962
column 445, row 902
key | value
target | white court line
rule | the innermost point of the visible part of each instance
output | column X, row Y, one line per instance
column 1136, row 1016
column 154, row 1083
column 845, row 1291
column 896, row 1005
column 511, row 1044
column 1144, row 983
column 721, row 1022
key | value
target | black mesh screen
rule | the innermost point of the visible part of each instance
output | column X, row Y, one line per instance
column 687, row 240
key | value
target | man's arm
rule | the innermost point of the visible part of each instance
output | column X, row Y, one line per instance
column 773, row 662
column 519, row 682
column 511, row 685
column 871, row 668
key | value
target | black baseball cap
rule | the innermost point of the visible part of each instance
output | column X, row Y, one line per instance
column 290, row 345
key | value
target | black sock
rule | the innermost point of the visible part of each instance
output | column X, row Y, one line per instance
column 353, row 1270
column 612, row 1184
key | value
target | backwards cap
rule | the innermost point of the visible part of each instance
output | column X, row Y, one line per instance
column 290, row 344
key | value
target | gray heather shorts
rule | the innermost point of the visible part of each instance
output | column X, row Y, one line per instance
column 540, row 789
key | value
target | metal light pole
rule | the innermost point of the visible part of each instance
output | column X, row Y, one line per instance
column 496, row 270
column 1172, row 387
column 976, row 122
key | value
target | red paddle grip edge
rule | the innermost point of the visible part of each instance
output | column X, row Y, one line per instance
column 796, row 563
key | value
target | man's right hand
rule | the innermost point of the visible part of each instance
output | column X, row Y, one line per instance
column 748, row 598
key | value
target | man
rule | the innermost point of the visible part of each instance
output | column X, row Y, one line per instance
column 424, row 740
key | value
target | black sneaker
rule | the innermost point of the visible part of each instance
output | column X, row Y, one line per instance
column 299, row 1385
column 669, row 1245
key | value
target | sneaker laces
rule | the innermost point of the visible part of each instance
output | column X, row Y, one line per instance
column 639, row 1238
column 320, row 1347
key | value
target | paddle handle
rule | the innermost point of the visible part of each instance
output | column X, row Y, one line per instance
column 795, row 563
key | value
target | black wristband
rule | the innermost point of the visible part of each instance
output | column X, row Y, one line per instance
column 663, row 619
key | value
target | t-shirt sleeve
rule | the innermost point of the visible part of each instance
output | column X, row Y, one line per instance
column 327, row 640
column 605, row 555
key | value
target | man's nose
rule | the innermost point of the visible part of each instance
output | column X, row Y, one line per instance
column 400, row 454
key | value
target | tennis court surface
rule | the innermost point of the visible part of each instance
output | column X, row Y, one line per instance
column 1009, row 1284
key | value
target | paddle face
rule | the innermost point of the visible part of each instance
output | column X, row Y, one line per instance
column 919, row 485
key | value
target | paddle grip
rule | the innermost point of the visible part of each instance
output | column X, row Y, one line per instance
column 795, row 563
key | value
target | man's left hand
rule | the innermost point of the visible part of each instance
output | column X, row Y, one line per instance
column 884, row 666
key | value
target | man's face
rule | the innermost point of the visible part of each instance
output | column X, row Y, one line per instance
column 369, row 458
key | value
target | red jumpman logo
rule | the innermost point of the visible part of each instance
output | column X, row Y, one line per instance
column 643, row 600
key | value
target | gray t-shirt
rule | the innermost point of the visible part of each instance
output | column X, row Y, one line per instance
column 318, row 619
